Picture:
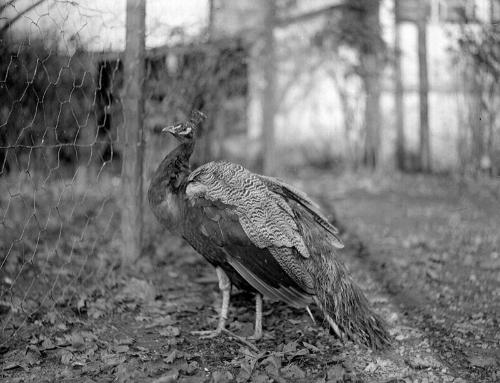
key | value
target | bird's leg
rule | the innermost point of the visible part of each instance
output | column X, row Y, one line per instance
column 225, row 287
column 258, row 318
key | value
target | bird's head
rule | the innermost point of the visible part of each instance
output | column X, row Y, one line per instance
column 186, row 131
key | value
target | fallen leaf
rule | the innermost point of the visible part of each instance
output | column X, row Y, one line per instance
column 34, row 351
column 432, row 274
column 137, row 290
column 370, row 367
column 301, row 352
column 273, row 365
column 482, row 361
column 128, row 373
column 47, row 344
column 121, row 348
column 173, row 356
column 290, row 347
column 222, row 377
column 77, row 341
column 66, row 357
column 161, row 321
column 336, row 373
column 124, row 340
column 192, row 367
column 421, row 362
column 170, row 331
column 169, row 377
column 261, row 378
column 12, row 366
column 292, row 371
column 112, row 360
column 490, row 264
column 246, row 368
column 311, row 347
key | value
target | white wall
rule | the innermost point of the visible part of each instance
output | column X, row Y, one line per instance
column 100, row 24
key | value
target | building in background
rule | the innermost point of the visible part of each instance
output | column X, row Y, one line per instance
column 310, row 110
column 319, row 107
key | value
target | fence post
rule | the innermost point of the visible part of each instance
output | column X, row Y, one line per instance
column 133, row 140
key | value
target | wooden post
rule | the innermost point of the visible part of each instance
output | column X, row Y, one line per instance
column 133, row 140
column 425, row 150
column 398, row 94
column 269, row 92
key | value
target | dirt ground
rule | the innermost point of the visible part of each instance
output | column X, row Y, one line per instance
column 426, row 250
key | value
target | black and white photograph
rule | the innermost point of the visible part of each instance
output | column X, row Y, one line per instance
column 217, row 191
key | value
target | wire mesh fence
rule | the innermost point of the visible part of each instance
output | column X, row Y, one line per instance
column 61, row 148
column 57, row 174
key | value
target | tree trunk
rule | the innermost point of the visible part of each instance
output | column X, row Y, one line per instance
column 475, row 122
column 398, row 97
column 269, row 92
column 133, row 140
column 371, row 80
column 425, row 147
column 371, row 72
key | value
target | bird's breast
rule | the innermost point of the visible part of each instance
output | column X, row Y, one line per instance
column 168, row 212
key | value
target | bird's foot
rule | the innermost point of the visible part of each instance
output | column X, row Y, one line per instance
column 208, row 334
column 257, row 335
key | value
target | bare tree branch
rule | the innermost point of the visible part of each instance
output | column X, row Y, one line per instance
column 7, row 4
column 311, row 15
column 9, row 23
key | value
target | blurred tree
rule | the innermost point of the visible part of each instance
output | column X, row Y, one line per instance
column 357, row 26
column 398, row 94
column 423, row 88
column 269, row 96
column 478, row 54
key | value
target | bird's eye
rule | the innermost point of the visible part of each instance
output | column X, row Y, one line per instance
column 187, row 131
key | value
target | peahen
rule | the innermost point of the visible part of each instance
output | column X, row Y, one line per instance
column 261, row 235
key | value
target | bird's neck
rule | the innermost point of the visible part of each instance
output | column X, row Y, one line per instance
column 170, row 175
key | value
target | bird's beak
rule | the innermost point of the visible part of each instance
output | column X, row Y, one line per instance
column 172, row 129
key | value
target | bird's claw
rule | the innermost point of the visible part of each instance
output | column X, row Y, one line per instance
column 207, row 334
column 256, row 336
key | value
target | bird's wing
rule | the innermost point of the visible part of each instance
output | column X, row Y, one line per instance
column 231, row 207
column 291, row 193
column 266, row 217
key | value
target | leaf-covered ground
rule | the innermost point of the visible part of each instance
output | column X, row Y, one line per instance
column 424, row 249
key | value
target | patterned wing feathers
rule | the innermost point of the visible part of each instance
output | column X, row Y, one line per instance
column 266, row 217
column 290, row 192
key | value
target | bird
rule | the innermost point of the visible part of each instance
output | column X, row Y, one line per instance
column 261, row 235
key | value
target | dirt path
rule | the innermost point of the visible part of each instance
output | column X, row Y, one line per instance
column 432, row 251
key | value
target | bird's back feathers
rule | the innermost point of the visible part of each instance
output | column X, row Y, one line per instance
column 265, row 216
column 291, row 193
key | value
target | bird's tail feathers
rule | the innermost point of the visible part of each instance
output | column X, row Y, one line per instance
column 345, row 307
